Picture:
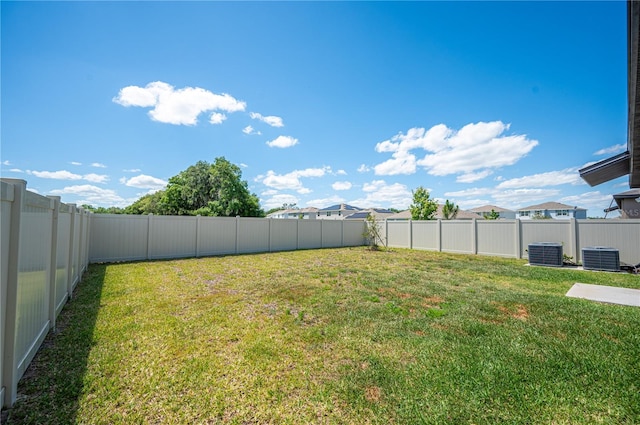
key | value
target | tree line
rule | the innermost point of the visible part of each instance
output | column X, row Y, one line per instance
column 207, row 189
column 217, row 189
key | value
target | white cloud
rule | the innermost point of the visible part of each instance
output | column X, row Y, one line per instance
column 612, row 150
column 476, row 191
column 6, row 162
column 96, row 178
column 282, row 142
column 518, row 198
column 66, row 175
column 217, row 118
column 363, row 168
column 472, row 177
column 341, row 185
column 551, row 178
column 291, row 181
column 132, row 170
column 402, row 162
column 473, row 151
column 271, row 120
column 93, row 194
column 57, row 175
column 341, row 173
column 589, row 200
column 179, row 107
column 250, row 130
column 75, row 163
column 381, row 194
column 269, row 192
column 16, row 170
column 278, row 200
column 143, row 181
column 98, row 165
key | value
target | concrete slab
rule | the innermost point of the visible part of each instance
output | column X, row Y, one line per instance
column 606, row 294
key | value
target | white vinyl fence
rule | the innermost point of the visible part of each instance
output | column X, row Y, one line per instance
column 116, row 237
column 44, row 253
column 47, row 245
column 511, row 238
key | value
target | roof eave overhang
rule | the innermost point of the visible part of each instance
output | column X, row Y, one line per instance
column 607, row 169
column 633, row 92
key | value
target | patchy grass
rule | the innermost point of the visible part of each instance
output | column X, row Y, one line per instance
column 345, row 336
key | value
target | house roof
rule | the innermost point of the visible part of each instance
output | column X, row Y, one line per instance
column 489, row 208
column 627, row 162
column 341, row 207
column 550, row 206
column 629, row 194
column 378, row 214
column 462, row 214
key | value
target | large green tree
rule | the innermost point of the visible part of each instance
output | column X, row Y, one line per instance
column 422, row 208
column 215, row 189
column 210, row 189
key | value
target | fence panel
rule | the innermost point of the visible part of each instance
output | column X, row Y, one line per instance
column 623, row 235
column 118, row 237
column 497, row 237
column 33, row 278
column 332, row 233
column 426, row 234
column 217, row 236
column 172, row 237
column 353, row 233
column 399, row 234
column 6, row 201
column 62, row 258
column 309, row 234
column 457, row 236
column 283, row 234
column 253, row 235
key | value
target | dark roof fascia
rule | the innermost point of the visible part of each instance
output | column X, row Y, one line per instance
column 633, row 91
column 607, row 169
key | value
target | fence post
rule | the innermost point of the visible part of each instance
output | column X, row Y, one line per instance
column 573, row 238
column 410, row 234
column 518, row 235
column 149, row 230
column 237, row 232
column 9, row 367
column 72, row 237
column 53, row 268
column 270, row 233
column 474, row 236
column 198, row 236
column 80, row 239
column 439, row 235
column 386, row 233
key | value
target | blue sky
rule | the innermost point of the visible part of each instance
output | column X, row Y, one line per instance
column 320, row 103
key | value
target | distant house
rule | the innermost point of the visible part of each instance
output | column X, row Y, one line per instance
column 377, row 213
column 553, row 210
column 462, row 215
column 486, row 211
column 303, row 213
column 337, row 212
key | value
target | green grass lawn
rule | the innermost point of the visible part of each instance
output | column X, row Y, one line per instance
column 337, row 336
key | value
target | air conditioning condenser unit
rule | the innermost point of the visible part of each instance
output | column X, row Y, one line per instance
column 545, row 254
column 601, row 258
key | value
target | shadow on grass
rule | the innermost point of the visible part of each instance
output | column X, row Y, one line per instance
column 50, row 390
